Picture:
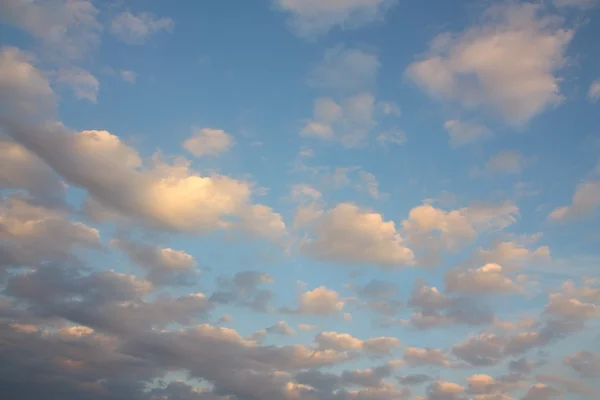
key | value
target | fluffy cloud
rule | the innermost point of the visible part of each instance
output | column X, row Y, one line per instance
column 433, row 230
column 211, row 142
column 584, row 202
column 441, row 390
column 346, row 342
column 539, row 391
column 164, row 265
column 137, row 28
column 594, row 90
column 487, row 279
column 348, row 122
column 20, row 169
column 347, row 69
column 310, row 18
column 82, row 83
column 244, row 289
column 464, row 68
column 419, row 357
column 511, row 255
column 347, row 233
column 320, row 301
column 566, row 307
column 584, row 362
column 67, row 29
column 465, row 132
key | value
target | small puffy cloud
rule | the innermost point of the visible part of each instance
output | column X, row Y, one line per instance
column 307, row 327
column 483, row 350
column 433, row 230
column 584, row 202
column 585, row 293
column 320, row 301
column 348, row 234
column 346, row 342
column 137, row 28
column 505, row 162
column 464, row 68
column 441, row 390
column 347, row 69
column 418, row 357
column 208, row 142
column 348, row 122
column 570, row 308
column 164, row 265
column 594, row 91
column 465, row 132
column 584, row 362
column 66, row 29
column 311, row 18
column 128, row 76
column 82, row 83
column 280, row 328
column 394, row 136
column 539, row 391
column 511, row 255
column 487, row 279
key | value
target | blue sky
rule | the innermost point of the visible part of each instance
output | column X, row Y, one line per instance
column 299, row 199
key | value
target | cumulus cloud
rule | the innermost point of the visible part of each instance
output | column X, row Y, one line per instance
column 349, row 234
column 465, row 132
column 137, row 28
column 584, row 203
column 346, row 69
column 320, row 301
column 419, row 357
column 489, row 278
column 310, row 18
column 463, row 68
column 20, row 169
column 348, row 122
column 594, row 90
column 208, row 142
column 82, row 83
column 164, row 265
column 539, row 391
column 346, row 342
column 66, row 29
column 584, row 362
column 245, row 289
column 280, row 328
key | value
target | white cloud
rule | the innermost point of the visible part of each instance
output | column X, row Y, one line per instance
column 489, row 278
column 320, row 301
column 507, row 64
column 349, row 122
column 208, row 142
column 507, row 162
column 418, row 357
column 280, row 328
column 346, row 342
column 137, row 28
column 310, row 18
column 67, row 29
column 347, row 69
column 128, row 76
column 84, row 85
column 349, row 234
column 594, row 91
column 584, row 202
column 465, row 132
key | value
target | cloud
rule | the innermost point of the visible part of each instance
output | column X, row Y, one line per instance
column 505, row 162
column 441, row 390
column 585, row 363
column 20, row 169
column 311, row 18
column 348, row 122
column 511, row 255
column 346, row 69
column 370, row 184
column 135, row 29
column 539, row 391
column 570, row 385
column 320, row 301
column 464, row 68
column 570, row 308
column 489, row 278
column 465, row 132
column 243, row 289
column 66, row 29
column 208, row 142
column 82, row 83
column 349, row 234
column 394, row 136
column 128, row 76
column 164, row 265
column 584, row 202
column 346, row 342
column 455, row 228
column 420, row 357
column 280, row 328
column 594, row 90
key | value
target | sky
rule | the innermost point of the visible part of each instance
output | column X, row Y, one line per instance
column 299, row 199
